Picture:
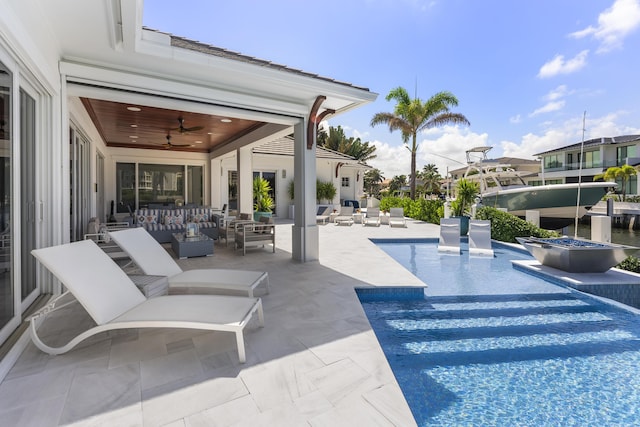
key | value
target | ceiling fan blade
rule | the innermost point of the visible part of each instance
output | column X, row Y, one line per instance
column 183, row 129
column 192, row 129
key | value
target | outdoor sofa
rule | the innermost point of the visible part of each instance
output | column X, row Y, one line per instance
column 162, row 223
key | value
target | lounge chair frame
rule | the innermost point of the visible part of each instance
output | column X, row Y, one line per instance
column 372, row 217
column 154, row 260
column 396, row 217
column 114, row 302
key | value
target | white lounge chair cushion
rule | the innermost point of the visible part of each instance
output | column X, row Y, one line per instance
column 146, row 252
column 198, row 310
column 199, row 281
column 103, row 288
column 154, row 260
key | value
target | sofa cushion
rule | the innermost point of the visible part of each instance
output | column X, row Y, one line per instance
column 172, row 218
column 147, row 216
column 199, row 215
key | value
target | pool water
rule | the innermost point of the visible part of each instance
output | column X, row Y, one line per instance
column 479, row 349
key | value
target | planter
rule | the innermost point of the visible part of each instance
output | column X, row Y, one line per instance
column 464, row 224
column 258, row 215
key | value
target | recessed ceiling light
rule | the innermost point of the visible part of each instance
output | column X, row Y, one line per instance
column 133, row 136
column 133, row 126
column 198, row 142
column 134, row 109
column 225, row 120
column 209, row 133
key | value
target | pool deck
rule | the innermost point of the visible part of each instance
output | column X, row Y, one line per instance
column 315, row 363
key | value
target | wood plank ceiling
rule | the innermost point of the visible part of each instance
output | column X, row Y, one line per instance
column 135, row 126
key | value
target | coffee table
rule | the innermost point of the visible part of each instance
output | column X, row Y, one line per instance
column 185, row 247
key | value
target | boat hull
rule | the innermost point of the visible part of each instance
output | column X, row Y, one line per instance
column 576, row 255
column 556, row 203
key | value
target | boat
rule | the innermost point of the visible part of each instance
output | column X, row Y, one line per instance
column 503, row 187
column 576, row 255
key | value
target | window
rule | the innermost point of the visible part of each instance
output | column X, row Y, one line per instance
column 592, row 159
column 345, row 181
column 553, row 161
column 623, row 152
column 157, row 185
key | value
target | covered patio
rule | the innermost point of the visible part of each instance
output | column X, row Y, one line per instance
column 85, row 89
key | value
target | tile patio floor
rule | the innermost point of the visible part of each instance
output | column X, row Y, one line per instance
column 315, row 363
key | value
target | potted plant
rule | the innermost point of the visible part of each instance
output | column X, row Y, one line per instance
column 291, row 193
column 263, row 203
column 466, row 192
column 325, row 191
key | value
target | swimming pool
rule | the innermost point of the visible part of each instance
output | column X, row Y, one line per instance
column 491, row 345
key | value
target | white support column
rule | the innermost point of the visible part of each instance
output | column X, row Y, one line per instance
column 216, row 183
column 533, row 217
column 245, row 180
column 305, row 243
column 601, row 228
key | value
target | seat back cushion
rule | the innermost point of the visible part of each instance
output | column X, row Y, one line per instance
column 146, row 252
column 97, row 282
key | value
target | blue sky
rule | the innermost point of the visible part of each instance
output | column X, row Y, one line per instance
column 524, row 71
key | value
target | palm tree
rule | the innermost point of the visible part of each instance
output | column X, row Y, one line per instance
column 622, row 173
column 431, row 178
column 411, row 116
column 397, row 182
column 337, row 141
column 372, row 180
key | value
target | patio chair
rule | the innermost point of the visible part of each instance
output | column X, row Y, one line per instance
column 114, row 302
column 249, row 234
column 373, row 217
column 323, row 214
column 345, row 216
column 449, row 236
column 396, row 217
column 480, row 238
column 154, row 260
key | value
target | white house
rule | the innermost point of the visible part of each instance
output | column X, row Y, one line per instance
column 95, row 108
column 563, row 165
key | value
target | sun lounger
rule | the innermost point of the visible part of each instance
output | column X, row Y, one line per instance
column 154, row 260
column 345, row 216
column 114, row 302
column 396, row 217
column 373, row 217
column 449, row 236
column 323, row 214
column 480, row 238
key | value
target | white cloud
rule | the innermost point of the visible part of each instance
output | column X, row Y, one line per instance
column 557, row 93
column 558, row 65
column 614, row 24
column 549, row 107
column 515, row 119
column 444, row 147
column 554, row 101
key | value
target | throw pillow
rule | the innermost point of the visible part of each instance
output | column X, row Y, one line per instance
column 173, row 220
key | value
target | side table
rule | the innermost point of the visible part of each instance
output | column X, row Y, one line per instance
column 185, row 247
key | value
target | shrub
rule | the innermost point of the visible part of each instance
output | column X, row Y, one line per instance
column 506, row 227
column 420, row 209
column 630, row 264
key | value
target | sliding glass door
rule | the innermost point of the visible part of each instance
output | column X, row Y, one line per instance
column 8, row 306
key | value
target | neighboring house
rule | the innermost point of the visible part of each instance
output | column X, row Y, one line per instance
column 97, row 111
column 562, row 165
column 274, row 161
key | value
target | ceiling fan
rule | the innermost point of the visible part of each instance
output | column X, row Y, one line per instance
column 168, row 145
column 183, row 129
